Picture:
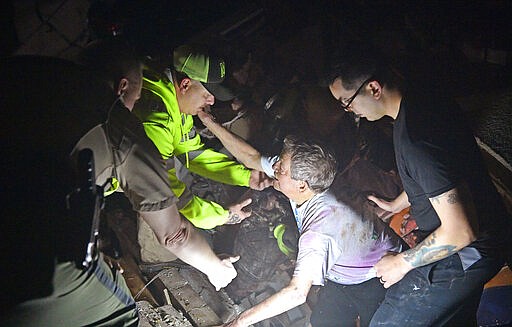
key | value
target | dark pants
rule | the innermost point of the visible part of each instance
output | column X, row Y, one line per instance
column 98, row 297
column 439, row 294
column 340, row 305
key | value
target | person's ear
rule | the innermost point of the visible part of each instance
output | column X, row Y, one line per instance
column 185, row 85
column 122, row 86
column 303, row 186
column 376, row 89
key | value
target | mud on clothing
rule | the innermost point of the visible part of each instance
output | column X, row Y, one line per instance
column 435, row 152
column 181, row 147
column 338, row 244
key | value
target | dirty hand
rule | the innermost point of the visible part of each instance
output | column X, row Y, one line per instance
column 259, row 180
column 237, row 213
column 224, row 273
column 391, row 268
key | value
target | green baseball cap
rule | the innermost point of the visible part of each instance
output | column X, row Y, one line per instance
column 198, row 64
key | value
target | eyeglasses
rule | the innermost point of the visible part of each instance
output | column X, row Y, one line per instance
column 345, row 104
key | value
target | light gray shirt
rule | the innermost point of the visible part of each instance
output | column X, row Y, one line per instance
column 335, row 242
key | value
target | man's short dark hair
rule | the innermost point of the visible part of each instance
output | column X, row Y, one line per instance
column 179, row 76
column 356, row 62
column 112, row 58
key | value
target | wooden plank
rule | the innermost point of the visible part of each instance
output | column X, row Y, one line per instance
column 502, row 278
column 135, row 281
column 123, row 224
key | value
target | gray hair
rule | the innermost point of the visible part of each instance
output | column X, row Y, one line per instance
column 310, row 162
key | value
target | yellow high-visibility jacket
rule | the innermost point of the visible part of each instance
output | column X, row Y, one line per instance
column 175, row 137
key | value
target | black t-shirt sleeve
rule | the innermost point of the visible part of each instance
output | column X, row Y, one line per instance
column 432, row 126
column 431, row 168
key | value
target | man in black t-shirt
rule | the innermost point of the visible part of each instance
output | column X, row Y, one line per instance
column 464, row 227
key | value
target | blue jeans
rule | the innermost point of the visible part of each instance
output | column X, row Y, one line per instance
column 439, row 294
column 340, row 305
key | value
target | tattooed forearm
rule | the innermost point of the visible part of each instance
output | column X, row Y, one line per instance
column 452, row 198
column 427, row 252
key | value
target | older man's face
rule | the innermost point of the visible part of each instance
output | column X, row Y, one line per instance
column 283, row 181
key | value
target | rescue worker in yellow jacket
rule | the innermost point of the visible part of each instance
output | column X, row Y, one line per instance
column 169, row 100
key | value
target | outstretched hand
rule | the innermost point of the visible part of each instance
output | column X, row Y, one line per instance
column 224, row 274
column 237, row 213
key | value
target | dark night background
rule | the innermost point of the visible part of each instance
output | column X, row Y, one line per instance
column 464, row 47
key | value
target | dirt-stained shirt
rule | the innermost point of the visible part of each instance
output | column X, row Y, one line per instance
column 335, row 242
